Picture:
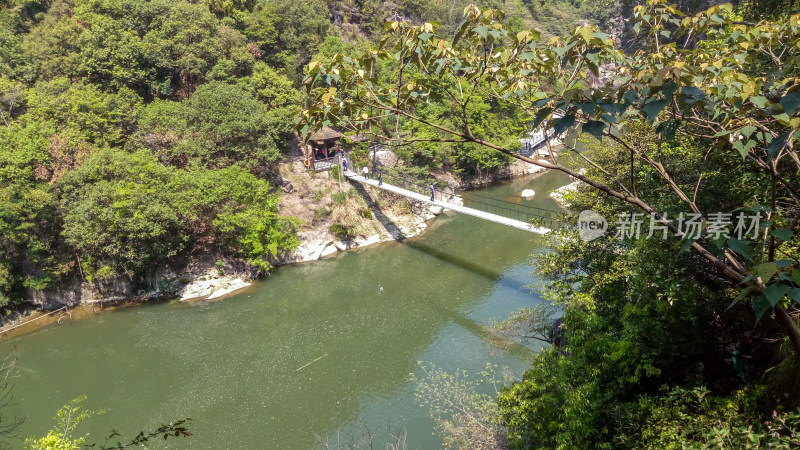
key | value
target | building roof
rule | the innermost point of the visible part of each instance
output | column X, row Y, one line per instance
column 324, row 134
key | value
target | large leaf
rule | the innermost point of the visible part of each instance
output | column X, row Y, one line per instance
column 777, row 144
column 461, row 30
column 766, row 271
column 741, row 247
column 775, row 292
column 595, row 128
column 482, row 30
column 589, row 108
column 747, row 131
column 564, row 123
column 761, row 305
column 744, row 147
column 741, row 295
column 782, row 234
column 630, row 97
column 540, row 116
column 668, row 89
column 691, row 95
column 653, row 108
column 759, row 101
column 669, row 128
column 794, row 294
column 791, row 102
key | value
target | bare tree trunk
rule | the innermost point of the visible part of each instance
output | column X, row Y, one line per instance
column 790, row 325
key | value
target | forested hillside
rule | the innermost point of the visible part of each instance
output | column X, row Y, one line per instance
column 135, row 131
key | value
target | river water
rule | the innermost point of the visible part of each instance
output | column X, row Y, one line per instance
column 317, row 352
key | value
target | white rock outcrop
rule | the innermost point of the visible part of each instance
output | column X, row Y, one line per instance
column 386, row 158
column 528, row 193
column 530, row 168
column 558, row 194
column 312, row 245
column 210, row 287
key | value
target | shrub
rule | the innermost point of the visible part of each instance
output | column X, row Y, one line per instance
column 365, row 213
column 118, row 212
column 321, row 213
column 342, row 231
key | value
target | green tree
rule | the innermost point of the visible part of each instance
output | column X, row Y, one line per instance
column 221, row 124
column 53, row 45
column 110, row 52
column 29, row 219
column 70, row 416
column 302, row 27
column 83, row 112
column 182, row 44
column 240, row 209
column 118, row 217
column 12, row 60
column 275, row 90
column 12, row 99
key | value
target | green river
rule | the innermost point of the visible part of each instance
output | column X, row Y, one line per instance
column 363, row 319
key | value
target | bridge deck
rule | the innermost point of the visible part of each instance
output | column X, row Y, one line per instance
column 461, row 209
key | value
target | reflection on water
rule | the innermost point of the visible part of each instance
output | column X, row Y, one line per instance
column 318, row 351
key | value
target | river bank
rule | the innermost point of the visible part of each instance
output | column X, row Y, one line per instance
column 336, row 217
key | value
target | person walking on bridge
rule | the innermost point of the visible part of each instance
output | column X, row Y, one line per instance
column 366, row 172
column 380, row 178
column 344, row 164
column 432, row 192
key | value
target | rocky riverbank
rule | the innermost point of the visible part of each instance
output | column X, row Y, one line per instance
column 559, row 194
column 335, row 215
column 340, row 216
column 513, row 170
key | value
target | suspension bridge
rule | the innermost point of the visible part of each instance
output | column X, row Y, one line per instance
column 473, row 204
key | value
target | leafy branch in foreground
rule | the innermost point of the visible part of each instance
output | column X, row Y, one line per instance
column 62, row 435
column 529, row 323
column 8, row 427
column 730, row 85
column 175, row 429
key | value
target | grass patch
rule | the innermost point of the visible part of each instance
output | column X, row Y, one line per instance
column 321, row 214
column 342, row 231
column 339, row 198
column 365, row 213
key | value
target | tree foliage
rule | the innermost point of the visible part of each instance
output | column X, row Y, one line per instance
column 126, row 212
column 707, row 90
column 111, row 110
column 219, row 125
column 118, row 216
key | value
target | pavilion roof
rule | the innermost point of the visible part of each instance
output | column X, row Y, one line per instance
column 325, row 133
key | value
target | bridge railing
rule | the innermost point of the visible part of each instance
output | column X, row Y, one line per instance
column 474, row 200
column 418, row 185
column 523, row 213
